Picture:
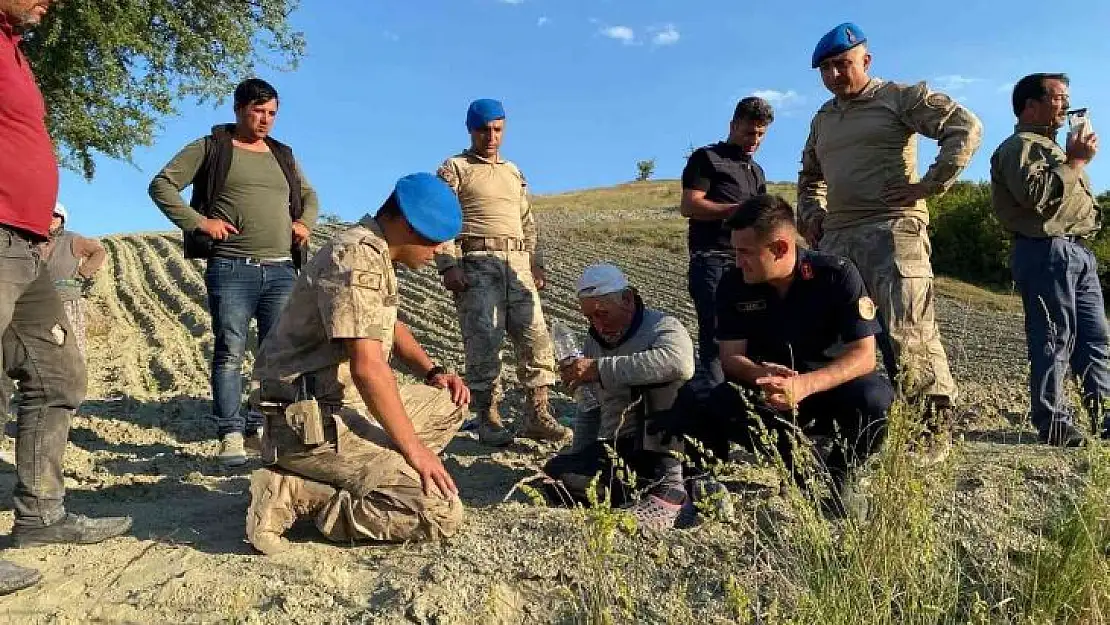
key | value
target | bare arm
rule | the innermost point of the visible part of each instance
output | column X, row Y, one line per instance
column 409, row 351
column 92, row 255
column 695, row 206
column 377, row 386
column 736, row 364
column 857, row 360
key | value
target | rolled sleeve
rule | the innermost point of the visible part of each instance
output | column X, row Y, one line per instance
column 351, row 295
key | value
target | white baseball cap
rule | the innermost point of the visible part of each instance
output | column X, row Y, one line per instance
column 601, row 279
column 60, row 211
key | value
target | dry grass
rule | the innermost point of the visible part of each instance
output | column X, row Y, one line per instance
column 653, row 194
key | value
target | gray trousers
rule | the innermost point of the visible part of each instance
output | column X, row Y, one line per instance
column 39, row 353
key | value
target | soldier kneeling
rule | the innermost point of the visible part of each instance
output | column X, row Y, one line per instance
column 346, row 445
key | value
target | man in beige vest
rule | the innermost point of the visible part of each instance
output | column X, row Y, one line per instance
column 859, row 197
column 496, row 271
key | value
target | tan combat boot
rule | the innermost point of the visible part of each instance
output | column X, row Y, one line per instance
column 278, row 499
column 539, row 424
column 491, row 431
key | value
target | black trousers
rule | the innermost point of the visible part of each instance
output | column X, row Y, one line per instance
column 855, row 413
column 595, row 459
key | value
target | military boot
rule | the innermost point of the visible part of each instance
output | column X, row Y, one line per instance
column 491, row 431
column 278, row 499
column 539, row 423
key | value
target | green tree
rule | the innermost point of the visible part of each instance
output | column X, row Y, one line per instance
column 645, row 169
column 111, row 70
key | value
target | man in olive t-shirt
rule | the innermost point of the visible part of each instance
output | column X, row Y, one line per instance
column 248, row 216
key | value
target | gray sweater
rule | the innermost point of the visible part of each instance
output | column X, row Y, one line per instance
column 659, row 353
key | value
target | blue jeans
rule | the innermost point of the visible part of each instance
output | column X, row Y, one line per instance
column 238, row 291
column 705, row 274
column 1065, row 325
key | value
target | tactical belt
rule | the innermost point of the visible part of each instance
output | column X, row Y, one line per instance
column 494, row 244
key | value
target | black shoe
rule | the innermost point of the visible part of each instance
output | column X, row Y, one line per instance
column 1063, row 435
column 14, row 577
column 74, row 529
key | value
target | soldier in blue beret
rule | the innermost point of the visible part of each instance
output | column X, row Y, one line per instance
column 860, row 197
column 344, row 444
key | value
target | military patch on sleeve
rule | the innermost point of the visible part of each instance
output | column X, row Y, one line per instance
column 866, row 308
column 938, row 100
column 366, row 279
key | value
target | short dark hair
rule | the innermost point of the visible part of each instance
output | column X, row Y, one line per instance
column 1032, row 87
column 763, row 213
column 254, row 91
column 390, row 208
column 754, row 109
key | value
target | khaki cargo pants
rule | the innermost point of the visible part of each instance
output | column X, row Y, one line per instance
column 502, row 297
column 379, row 496
column 893, row 259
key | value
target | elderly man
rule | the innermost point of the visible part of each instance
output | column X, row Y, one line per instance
column 1042, row 194
column 72, row 260
column 782, row 313
column 859, row 197
column 639, row 358
column 495, row 271
column 349, row 447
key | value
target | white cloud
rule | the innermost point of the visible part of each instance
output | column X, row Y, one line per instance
column 1007, row 87
column 542, row 21
column 623, row 34
column 666, row 36
column 778, row 98
column 512, row 1
column 953, row 82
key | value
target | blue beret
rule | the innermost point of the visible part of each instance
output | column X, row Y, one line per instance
column 430, row 206
column 482, row 112
column 843, row 37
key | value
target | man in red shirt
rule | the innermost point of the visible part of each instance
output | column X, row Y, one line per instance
column 39, row 352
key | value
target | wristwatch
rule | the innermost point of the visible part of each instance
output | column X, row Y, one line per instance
column 432, row 373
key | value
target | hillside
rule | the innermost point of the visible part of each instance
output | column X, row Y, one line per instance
column 141, row 446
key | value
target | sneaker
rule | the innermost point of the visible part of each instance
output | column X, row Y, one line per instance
column 73, row 529
column 654, row 514
column 233, row 452
column 1061, row 434
column 14, row 577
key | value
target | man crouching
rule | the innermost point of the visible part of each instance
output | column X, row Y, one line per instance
column 639, row 358
column 348, row 447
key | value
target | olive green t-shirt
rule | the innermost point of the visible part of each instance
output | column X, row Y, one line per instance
column 255, row 199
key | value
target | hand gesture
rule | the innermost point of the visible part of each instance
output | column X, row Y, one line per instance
column 460, row 394
column 433, row 475
column 218, row 229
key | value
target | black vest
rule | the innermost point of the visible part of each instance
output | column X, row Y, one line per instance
column 212, row 175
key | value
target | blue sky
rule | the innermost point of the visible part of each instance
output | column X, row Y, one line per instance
column 592, row 86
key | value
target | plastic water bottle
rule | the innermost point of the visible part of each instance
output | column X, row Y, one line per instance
column 567, row 349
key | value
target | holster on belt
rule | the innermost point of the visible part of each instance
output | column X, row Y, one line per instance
column 293, row 424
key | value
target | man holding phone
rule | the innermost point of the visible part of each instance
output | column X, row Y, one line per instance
column 1042, row 194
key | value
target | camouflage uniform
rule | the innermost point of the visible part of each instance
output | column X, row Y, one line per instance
column 358, row 485
column 496, row 251
column 855, row 150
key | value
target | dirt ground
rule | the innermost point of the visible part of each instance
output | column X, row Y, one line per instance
column 142, row 446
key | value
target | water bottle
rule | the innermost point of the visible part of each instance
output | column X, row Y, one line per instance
column 566, row 349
